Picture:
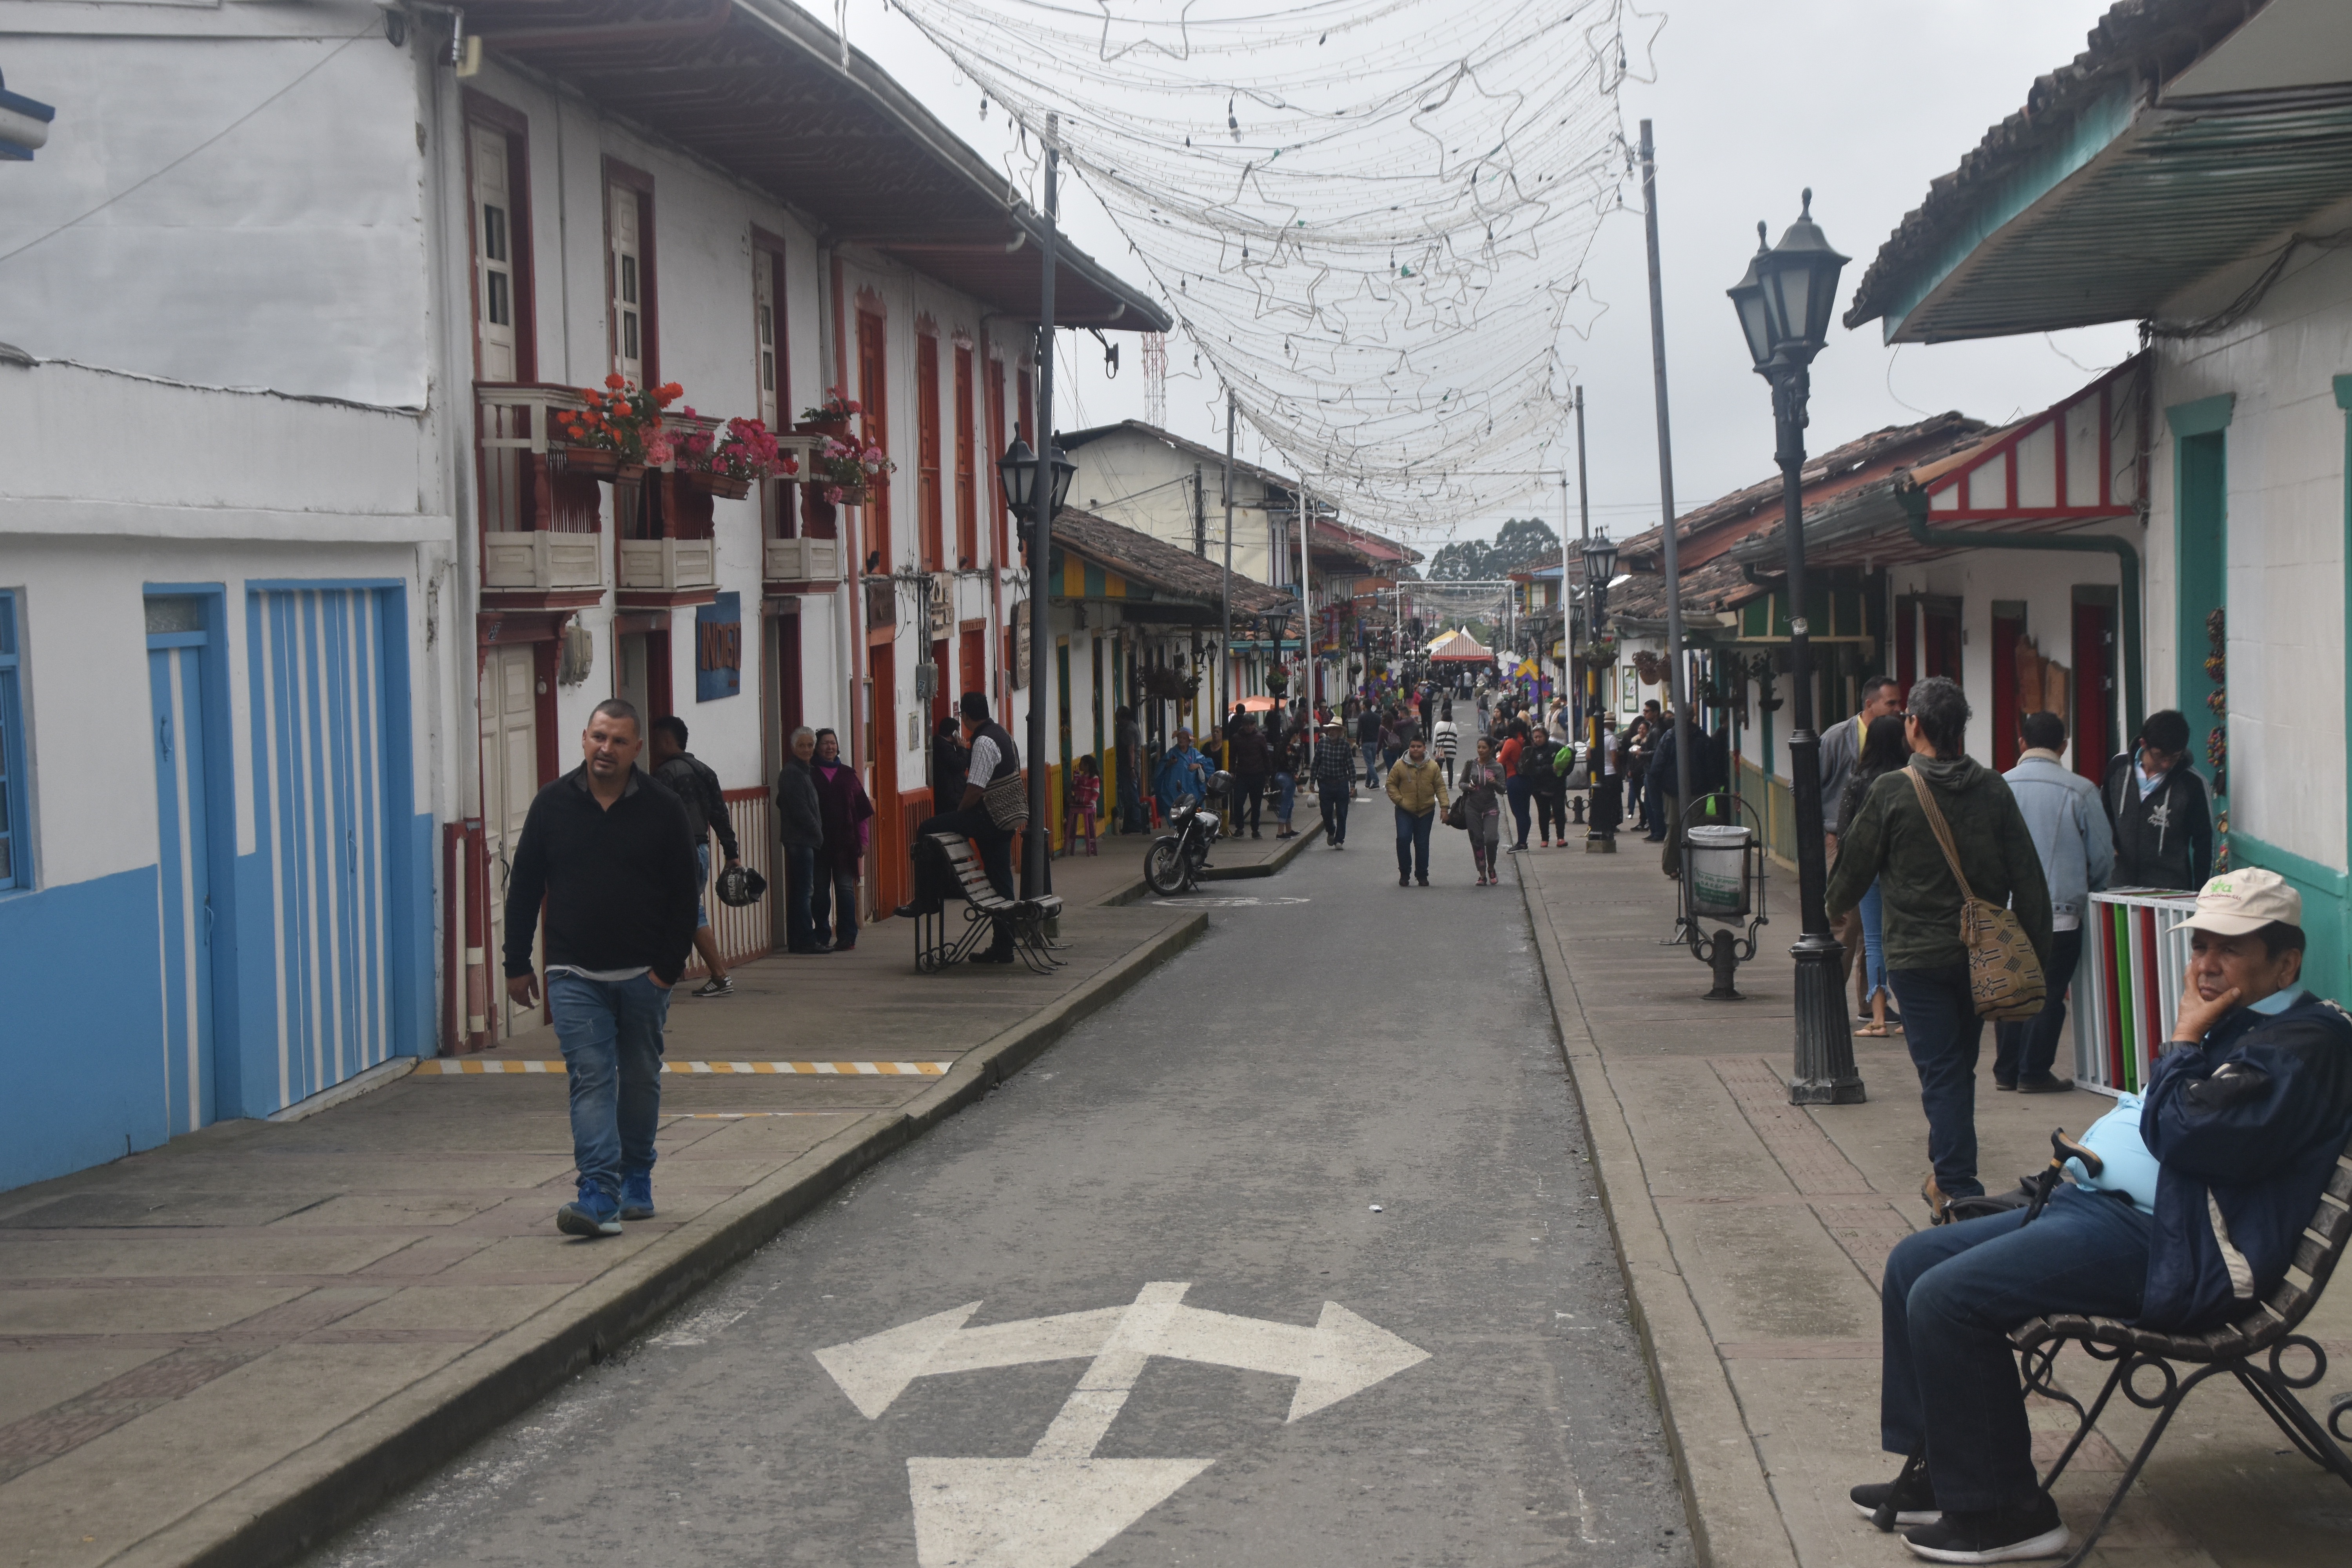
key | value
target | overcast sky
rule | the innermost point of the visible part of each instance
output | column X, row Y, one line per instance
column 1864, row 100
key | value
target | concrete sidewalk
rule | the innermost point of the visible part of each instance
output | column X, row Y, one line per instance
column 220, row 1350
column 1752, row 1236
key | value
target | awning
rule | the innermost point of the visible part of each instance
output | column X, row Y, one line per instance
column 1461, row 647
column 765, row 91
column 2105, row 196
column 2076, row 463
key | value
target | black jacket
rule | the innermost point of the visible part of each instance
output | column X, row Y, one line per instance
column 2246, row 1125
column 2166, row 838
column 800, row 816
column 618, row 882
column 697, row 789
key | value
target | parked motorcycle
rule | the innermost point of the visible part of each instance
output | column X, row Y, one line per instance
column 1174, row 862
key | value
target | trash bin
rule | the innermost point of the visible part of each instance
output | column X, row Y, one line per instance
column 1715, row 867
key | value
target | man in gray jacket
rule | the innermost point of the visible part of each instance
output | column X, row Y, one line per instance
column 2078, row 854
column 799, row 822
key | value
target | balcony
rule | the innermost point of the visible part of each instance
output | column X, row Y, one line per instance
column 802, row 560
column 542, row 563
column 668, row 565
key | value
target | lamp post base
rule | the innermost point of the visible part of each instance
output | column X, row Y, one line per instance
column 1825, row 1072
column 1600, row 844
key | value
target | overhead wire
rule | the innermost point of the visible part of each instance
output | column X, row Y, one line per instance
column 1371, row 217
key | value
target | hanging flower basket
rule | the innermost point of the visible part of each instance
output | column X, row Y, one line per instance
column 830, row 417
column 623, row 421
column 717, row 484
column 845, row 495
column 588, row 462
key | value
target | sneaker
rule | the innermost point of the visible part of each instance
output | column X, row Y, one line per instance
column 2044, row 1083
column 2020, row 1534
column 721, row 986
column 1915, row 1503
column 637, row 1195
column 2007, row 1085
column 591, row 1214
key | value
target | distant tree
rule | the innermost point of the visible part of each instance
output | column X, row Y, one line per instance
column 1523, row 541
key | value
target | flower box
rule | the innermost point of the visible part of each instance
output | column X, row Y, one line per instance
column 716, row 484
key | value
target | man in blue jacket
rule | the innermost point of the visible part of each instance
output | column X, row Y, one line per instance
column 2078, row 853
column 2189, row 1225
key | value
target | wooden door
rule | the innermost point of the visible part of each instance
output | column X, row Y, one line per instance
column 510, row 717
column 175, row 678
column 888, row 877
column 2006, row 714
column 494, row 248
column 2094, row 689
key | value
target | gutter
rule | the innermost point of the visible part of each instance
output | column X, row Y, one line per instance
column 1914, row 501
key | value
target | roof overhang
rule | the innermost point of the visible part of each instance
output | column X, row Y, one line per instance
column 2109, row 196
column 762, row 90
column 2078, row 463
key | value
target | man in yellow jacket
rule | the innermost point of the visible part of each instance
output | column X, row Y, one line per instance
column 1417, row 787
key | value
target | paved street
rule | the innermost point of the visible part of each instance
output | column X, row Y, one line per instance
column 1345, row 1093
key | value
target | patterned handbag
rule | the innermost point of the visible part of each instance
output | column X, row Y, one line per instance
column 2005, row 978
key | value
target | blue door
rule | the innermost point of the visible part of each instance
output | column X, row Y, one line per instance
column 177, row 647
column 324, row 790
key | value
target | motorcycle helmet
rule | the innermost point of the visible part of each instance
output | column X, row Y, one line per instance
column 739, row 885
column 1221, row 783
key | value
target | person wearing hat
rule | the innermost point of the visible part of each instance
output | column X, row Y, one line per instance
column 2207, row 1183
column 1335, row 781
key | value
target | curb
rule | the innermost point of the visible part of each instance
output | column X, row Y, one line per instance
column 352, row 1471
column 1277, row 861
column 1735, row 1521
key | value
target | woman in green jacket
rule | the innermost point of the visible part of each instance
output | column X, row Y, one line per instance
column 1891, row 841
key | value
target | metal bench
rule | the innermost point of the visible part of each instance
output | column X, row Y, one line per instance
column 2268, row 1331
column 935, row 947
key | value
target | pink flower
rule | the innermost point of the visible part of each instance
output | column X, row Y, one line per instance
column 658, row 450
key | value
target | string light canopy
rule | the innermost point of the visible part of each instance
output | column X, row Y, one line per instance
column 1371, row 217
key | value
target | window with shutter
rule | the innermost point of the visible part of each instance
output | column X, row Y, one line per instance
column 624, row 220
column 927, row 446
column 967, row 501
column 494, row 257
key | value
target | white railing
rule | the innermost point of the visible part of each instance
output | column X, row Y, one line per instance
column 800, row 561
column 543, row 561
column 748, row 932
column 669, row 565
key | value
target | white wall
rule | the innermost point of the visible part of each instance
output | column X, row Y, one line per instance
column 1141, row 482
column 2285, row 451
column 289, row 253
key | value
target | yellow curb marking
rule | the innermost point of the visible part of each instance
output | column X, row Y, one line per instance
column 447, row 1067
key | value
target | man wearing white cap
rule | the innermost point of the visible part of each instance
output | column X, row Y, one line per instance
column 2207, row 1183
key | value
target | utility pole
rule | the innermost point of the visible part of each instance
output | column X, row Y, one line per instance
column 1037, row 838
column 1225, row 661
column 1583, row 538
column 1667, row 490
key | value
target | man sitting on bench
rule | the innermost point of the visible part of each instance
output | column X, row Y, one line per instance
column 2208, row 1183
column 994, row 756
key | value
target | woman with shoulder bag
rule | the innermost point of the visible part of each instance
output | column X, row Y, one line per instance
column 1481, row 805
column 1884, row 750
column 1956, row 870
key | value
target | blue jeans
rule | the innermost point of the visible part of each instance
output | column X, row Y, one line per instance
column 1941, row 1027
column 833, row 906
column 1873, row 939
column 1334, row 804
column 1947, row 1376
column 799, row 898
column 702, row 883
column 1518, row 791
column 2027, row 1050
column 610, row 1035
column 1285, row 797
column 1372, row 763
column 1412, row 842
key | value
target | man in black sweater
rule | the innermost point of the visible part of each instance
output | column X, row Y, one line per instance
column 609, row 851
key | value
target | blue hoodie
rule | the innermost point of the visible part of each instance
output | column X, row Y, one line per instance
column 2249, row 1124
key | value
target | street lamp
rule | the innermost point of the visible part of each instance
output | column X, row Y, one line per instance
column 1783, row 304
column 1016, row 474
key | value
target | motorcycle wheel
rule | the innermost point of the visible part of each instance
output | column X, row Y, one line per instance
column 1163, row 868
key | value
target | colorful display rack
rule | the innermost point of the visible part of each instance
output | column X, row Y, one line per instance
column 2127, row 989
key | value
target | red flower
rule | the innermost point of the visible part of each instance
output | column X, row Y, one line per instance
column 617, row 381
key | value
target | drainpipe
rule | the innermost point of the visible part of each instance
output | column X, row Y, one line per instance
column 1914, row 501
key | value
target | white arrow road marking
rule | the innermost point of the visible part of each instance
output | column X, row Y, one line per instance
column 1055, row 1508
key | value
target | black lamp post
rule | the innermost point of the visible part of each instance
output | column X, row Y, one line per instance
column 1019, row 472
column 1599, row 554
column 1784, row 304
